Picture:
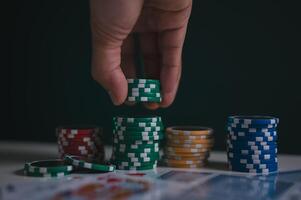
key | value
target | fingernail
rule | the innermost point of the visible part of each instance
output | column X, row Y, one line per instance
column 112, row 98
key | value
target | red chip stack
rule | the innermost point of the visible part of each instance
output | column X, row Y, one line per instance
column 84, row 141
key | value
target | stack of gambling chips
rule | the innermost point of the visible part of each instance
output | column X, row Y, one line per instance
column 144, row 90
column 82, row 141
column 252, row 144
column 187, row 146
column 136, row 142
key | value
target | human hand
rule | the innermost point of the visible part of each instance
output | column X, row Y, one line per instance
column 161, row 25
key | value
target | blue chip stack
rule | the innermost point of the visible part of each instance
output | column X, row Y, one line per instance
column 252, row 144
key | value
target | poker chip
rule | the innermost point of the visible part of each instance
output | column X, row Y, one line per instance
column 81, row 140
column 253, row 119
column 187, row 146
column 189, row 130
column 82, row 162
column 136, row 142
column 144, row 90
column 252, row 144
column 131, row 120
column 47, row 168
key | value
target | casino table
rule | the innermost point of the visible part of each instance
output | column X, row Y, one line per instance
column 13, row 155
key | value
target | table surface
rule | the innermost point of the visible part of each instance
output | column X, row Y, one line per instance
column 13, row 155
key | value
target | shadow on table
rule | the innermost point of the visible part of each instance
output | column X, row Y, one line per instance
column 217, row 165
column 25, row 156
column 19, row 172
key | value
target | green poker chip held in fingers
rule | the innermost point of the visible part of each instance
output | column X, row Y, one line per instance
column 144, row 90
column 85, row 163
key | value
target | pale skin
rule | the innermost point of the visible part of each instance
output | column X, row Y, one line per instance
column 161, row 26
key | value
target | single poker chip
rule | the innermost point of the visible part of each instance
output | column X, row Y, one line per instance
column 192, row 146
column 251, row 135
column 133, row 159
column 144, row 99
column 251, row 147
column 144, row 90
column 195, row 158
column 138, row 138
column 252, row 152
column 89, row 164
column 150, row 167
column 48, row 166
column 188, row 142
column 79, row 129
column 192, row 166
column 137, row 155
column 144, row 85
column 171, row 153
column 253, row 119
column 81, row 149
column 137, row 146
column 250, row 143
column 256, row 166
column 251, row 156
column 88, row 156
column 77, row 142
column 138, row 124
column 248, row 126
column 136, row 142
column 143, row 81
column 137, row 133
column 145, row 94
column 134, row 164
column 149, row 148
column 255, row 171
column 137, row 119
column 189, row 130
column 182, row 162
column 130, row 138
column 140, row 150
column 188, row 137
column 52, row 174
column 188, row 150
column 120, row 137
column 187, row 157
column 252, row 138
column 252, row 161
column 251, row 130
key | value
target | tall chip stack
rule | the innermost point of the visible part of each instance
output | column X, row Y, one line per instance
column 83, row 141
column 252, row 144
column 136, row 139
column 187, row 146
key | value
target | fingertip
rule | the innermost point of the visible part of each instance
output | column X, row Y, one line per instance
column 167, row 100
column 151, row 105
column 117, row 88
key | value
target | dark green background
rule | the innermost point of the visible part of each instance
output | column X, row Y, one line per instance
column 239, row 58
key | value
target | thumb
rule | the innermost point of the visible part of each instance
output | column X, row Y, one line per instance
column 111, row 22
column 106, row 71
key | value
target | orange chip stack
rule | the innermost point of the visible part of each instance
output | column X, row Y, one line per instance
column 187, row 146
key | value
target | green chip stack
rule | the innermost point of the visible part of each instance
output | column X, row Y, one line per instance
column 144, row 90
column 136, row 142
